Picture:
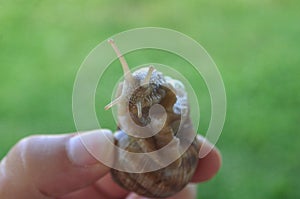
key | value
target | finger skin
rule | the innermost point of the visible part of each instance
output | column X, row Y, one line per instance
column 40, row 167
column 209, row 165
column 89, row 192
column 103, row 188
column 12, row 187
column 111, row 189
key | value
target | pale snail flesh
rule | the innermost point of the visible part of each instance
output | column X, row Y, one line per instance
column 149, row 87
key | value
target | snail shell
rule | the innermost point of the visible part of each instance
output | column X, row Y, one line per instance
column 140, row 91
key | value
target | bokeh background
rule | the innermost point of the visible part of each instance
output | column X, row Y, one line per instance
column 255, row 44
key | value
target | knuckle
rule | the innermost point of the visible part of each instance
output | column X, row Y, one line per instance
column 24, row 144
column 25, row 154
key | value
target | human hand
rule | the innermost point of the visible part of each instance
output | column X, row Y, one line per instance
column 59, row 166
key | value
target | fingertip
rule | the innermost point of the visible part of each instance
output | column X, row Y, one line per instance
column 210, row 161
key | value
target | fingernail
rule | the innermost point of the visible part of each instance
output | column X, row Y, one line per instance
column 90, row 147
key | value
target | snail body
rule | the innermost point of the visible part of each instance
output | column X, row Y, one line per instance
column 137, row 95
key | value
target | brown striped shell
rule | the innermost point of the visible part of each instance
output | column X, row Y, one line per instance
column 140, row 91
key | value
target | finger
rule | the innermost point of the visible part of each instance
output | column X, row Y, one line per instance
column 189, row 192
column 51, row 166
column 89, row 192
column 111, row 189
column 102, row 189
column 208, row 165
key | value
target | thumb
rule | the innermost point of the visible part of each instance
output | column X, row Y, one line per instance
column 51, row 166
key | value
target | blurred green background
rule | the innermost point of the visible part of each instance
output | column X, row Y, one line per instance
column 255, row 44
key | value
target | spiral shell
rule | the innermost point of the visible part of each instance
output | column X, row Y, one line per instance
column 136, row 96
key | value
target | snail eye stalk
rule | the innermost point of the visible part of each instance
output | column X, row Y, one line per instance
column 126, row 70
column 146, row 81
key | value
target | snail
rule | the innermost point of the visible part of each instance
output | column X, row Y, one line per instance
column 136, row 96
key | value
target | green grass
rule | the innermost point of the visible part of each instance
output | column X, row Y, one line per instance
column 254, row 43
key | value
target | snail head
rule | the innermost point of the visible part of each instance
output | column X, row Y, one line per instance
column 140, row 89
